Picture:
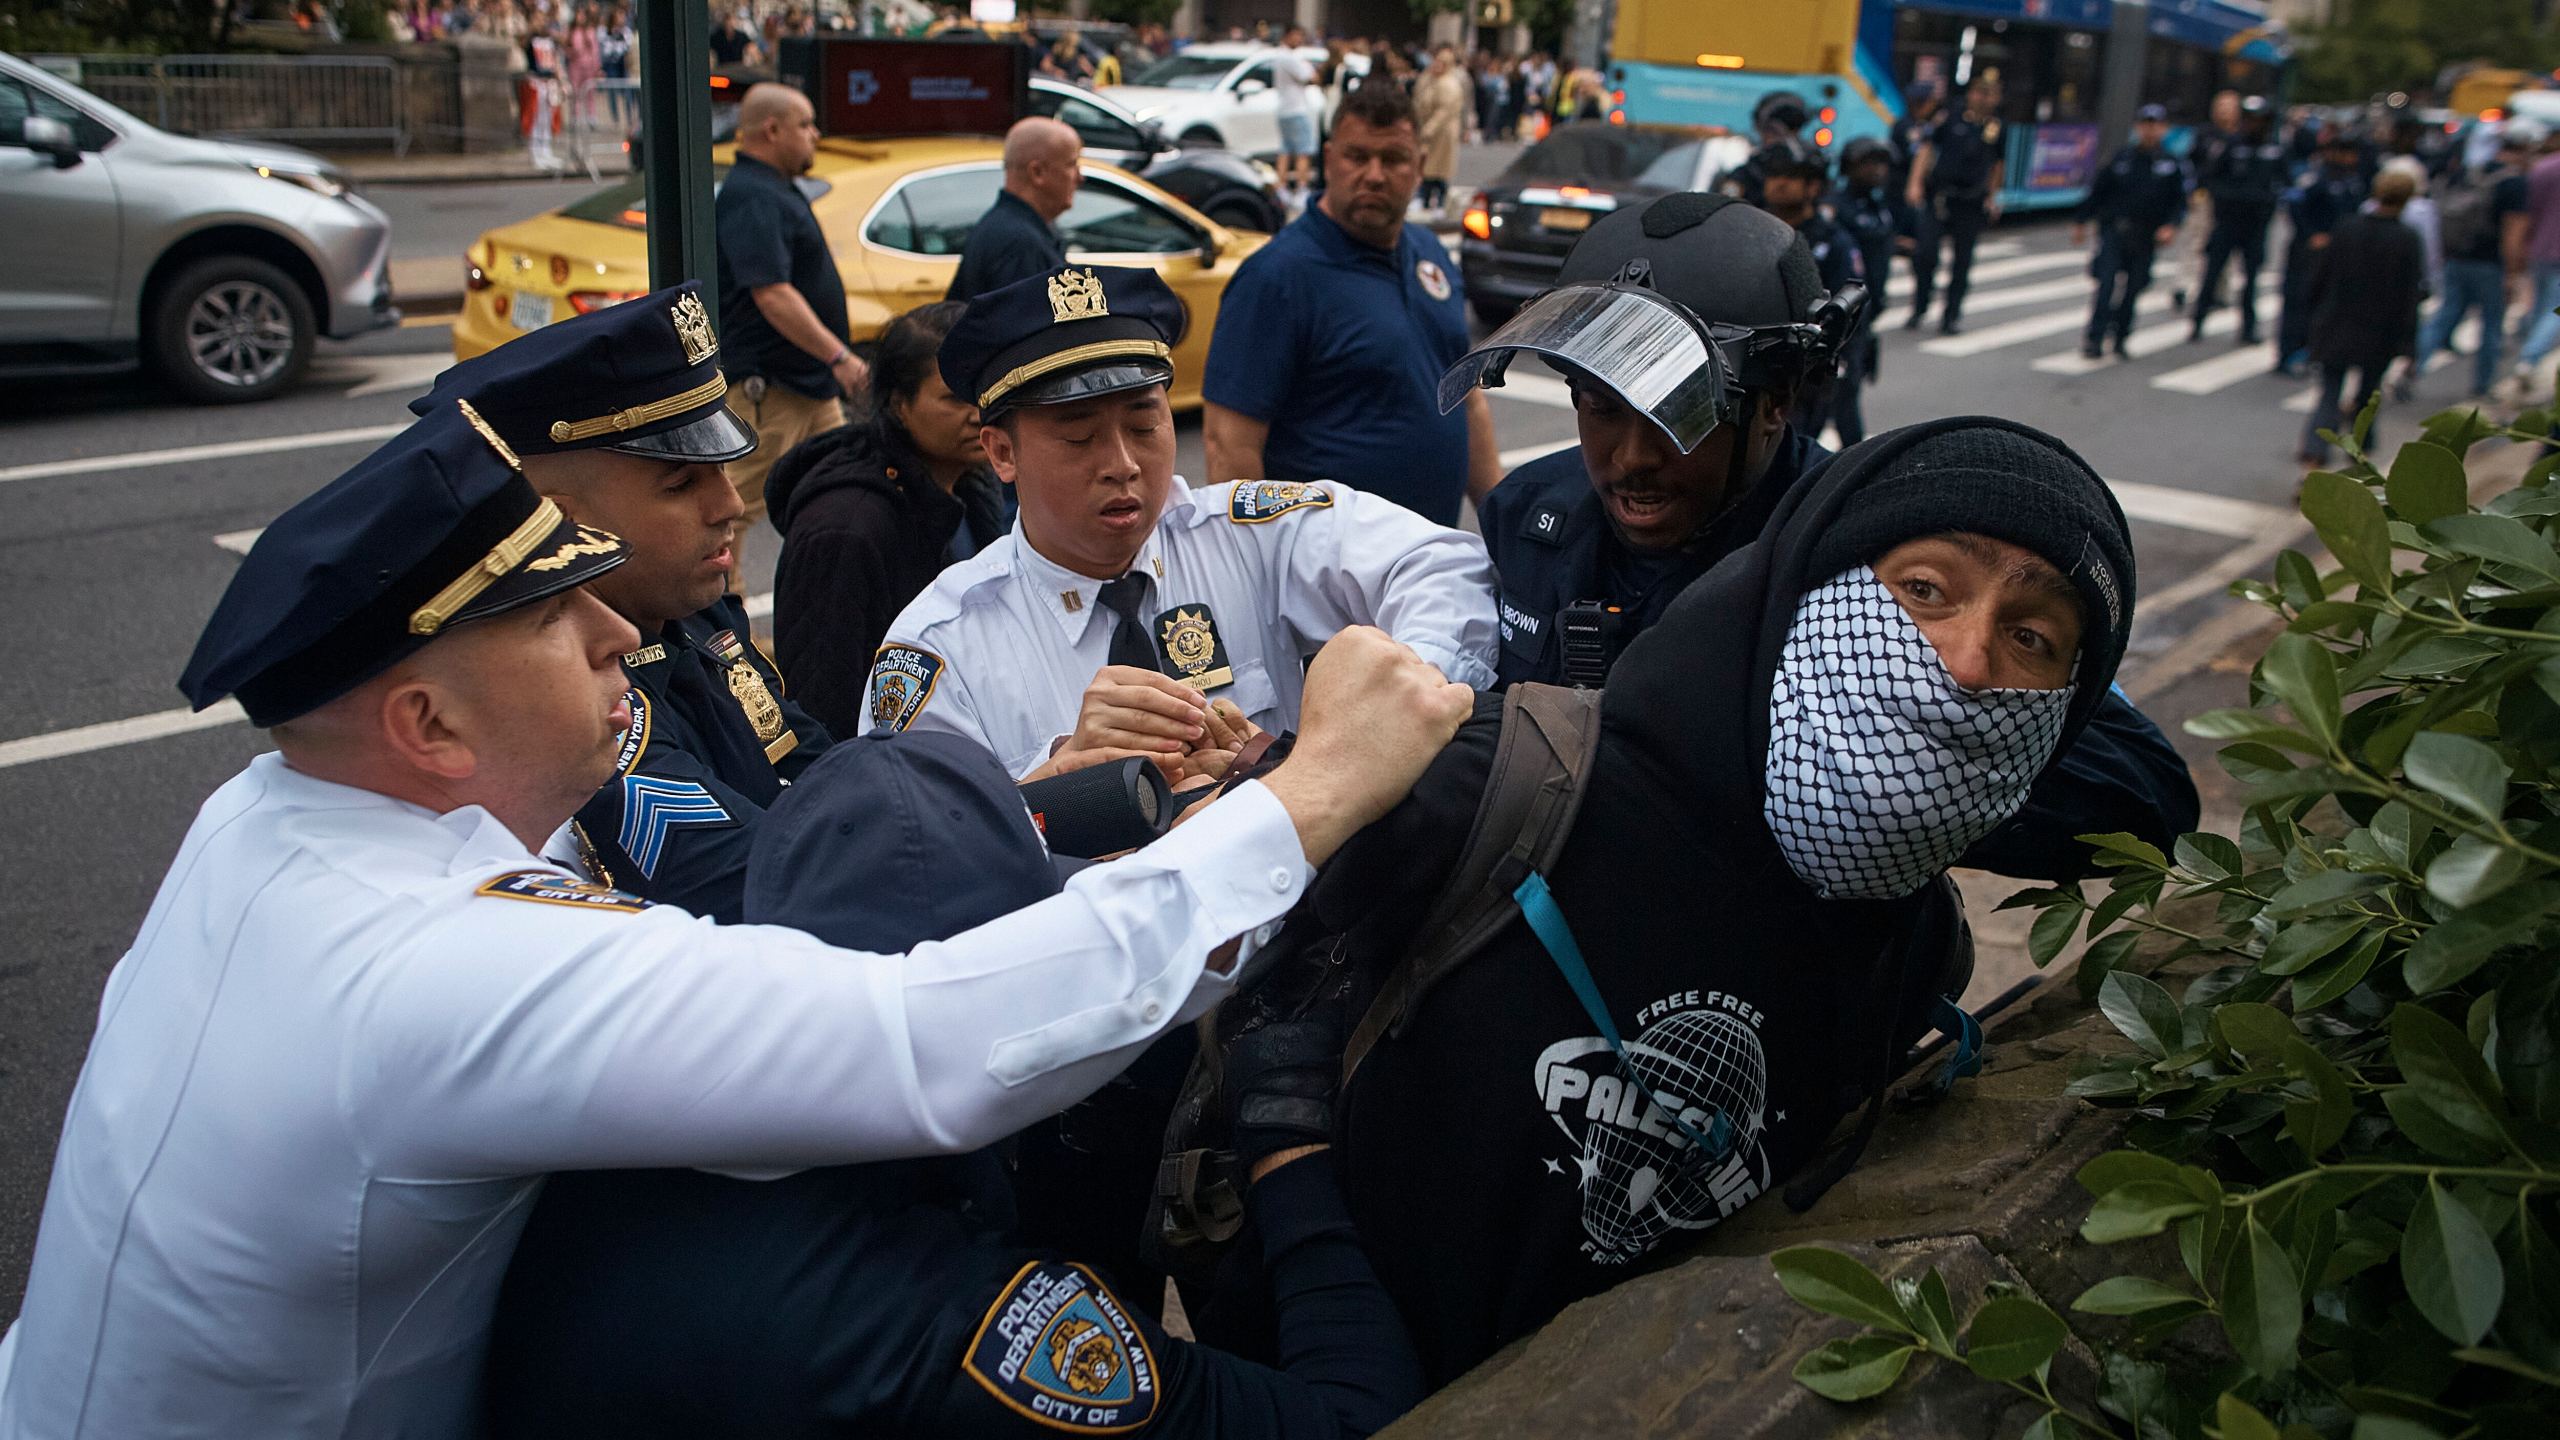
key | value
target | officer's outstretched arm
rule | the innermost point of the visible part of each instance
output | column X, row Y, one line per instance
column 2120, row 775
column 1351, row 558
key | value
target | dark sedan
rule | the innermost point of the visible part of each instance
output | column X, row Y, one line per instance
column 1239, row 193
column 1517, row 229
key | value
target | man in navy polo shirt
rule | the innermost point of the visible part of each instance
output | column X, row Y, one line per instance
column 1331, row 340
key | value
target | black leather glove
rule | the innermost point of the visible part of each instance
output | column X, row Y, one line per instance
column 1280, row 1083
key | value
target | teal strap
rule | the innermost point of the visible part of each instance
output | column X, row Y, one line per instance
column 1958, row 1025
column 1546, row 920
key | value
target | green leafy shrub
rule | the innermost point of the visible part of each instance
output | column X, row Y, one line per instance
column 2349, row 1121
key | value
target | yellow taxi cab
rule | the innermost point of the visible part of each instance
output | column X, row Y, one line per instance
column 896, row 212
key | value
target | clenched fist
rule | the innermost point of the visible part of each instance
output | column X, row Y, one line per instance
column 1374, row 716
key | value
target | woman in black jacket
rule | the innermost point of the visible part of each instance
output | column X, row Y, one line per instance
column 870, row 513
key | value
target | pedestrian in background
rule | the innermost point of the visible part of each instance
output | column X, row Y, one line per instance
column 1331, row 340
column 1956, row 177
column 781, row 300
column 2362, row 295
column 2137, row 201
column 1440, row 101
column 869, row 514
column 616, row 48
column 1300, row 97
column 2542, row 249
column 1015, row 239
column 2484, row 221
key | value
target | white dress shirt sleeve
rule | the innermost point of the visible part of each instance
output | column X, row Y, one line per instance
column 512, row 1036
column 1364, row 560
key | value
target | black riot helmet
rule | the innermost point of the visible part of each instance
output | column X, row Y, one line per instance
column 1863, row 149
column 1793, row 157
column 1685, row 307
column 1783, row 108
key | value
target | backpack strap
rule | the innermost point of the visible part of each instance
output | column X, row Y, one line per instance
column 1540, row 765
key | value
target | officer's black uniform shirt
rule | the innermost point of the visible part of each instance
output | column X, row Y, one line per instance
column 712, row 742
column 1966, row 152
column 769, row 236
column 2245, row 176
column 2142, row 189
column 1836, row 255
column 1909, row 134
column 2326, row 199
column 1873, row 218
column 1552, row 545
column 1010, row 242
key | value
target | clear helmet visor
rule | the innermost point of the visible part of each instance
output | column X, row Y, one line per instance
column 1647, row 350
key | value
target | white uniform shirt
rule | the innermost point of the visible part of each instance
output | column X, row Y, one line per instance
column 297, row 1159
column 1001, row 646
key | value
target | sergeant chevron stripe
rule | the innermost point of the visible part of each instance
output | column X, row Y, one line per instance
column 652, row 806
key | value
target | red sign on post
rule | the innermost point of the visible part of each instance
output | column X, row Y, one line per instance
column 910, row 87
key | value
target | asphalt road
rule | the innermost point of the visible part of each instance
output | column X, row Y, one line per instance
column 121, row 512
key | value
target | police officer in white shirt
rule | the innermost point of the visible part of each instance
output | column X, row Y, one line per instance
column 364, row 1013
column 1124, row 603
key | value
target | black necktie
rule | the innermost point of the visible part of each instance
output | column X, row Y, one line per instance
column 1125, row 597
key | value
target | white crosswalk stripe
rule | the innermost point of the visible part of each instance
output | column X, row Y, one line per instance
column 2143, row 343
column 2196, row 510
column 2033, row 327
column 2206, row 377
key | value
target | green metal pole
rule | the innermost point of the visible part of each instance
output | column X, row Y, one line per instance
column 675, row 106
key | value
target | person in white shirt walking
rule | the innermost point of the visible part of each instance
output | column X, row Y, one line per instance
column 368, row 1009
column 1301, row 103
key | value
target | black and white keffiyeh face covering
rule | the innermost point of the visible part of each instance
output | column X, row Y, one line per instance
column 1881, row 770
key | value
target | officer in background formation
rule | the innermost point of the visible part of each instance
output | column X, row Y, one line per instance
column 1956, row 179
column 1794, row 176
column 712, row 739
column 1777, row 122
column 1591, row 545
column 1125, row 602
column 1870, row 207
column 2137, row 200
column 2245, row 174
column 1924, row 104
column 2322, row 198
column 367, row 1014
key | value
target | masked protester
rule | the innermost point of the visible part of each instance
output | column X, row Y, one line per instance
column 1786, row 764
column 1686, row 328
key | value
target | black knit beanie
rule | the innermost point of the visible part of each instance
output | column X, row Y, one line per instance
column 2013, row 484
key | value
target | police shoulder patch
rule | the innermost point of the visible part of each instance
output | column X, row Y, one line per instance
column 902, row 680
column 550, row 887
column 1059, row 1348
column 653, row 806
column 1255, row 501
column 635, row 741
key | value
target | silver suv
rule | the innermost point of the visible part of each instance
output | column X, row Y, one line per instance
column 217, row 263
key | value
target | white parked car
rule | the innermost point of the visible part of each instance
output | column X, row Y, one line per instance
column 1216, row 94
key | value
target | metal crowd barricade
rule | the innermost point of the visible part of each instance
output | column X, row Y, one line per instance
column 603, row 114
column 321, row 98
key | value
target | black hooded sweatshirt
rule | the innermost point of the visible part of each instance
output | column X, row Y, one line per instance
column 864, row 530
column 1497, row 1164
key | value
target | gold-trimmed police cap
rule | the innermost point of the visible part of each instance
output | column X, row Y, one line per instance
column 642, row 377
column 435, row 529
column 1073, row 333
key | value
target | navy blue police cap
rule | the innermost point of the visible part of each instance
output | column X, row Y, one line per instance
column 642, row 377
column 1071, row 334
column 890, row 840
column 2150, row 113
column 434, row 529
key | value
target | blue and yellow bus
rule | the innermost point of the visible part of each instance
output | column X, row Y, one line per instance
column 2072, row 71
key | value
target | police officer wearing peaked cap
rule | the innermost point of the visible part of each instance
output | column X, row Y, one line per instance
column 622, row 417
column 367, row 1014
column 2137, row 200
column 1677, row 471
column 1125, row 606
column 897, row 1297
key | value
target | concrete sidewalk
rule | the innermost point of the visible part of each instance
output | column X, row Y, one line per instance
column 612, row 160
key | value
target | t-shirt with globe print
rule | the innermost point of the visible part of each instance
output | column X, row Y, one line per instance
column 1501, row 1160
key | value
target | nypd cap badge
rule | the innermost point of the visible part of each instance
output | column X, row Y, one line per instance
column 1059, row 1348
